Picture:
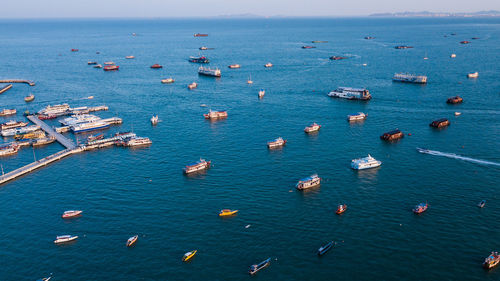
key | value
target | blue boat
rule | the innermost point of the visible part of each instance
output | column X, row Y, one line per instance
column 323, row 249
column 256, row 267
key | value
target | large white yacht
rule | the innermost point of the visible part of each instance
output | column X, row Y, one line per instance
column 365, row 163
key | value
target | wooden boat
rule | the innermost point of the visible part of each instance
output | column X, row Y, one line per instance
column 71, row 214
column 111, row 67
column 12, row 124
column 167, row 81
column 64, row 239
column 200, row 165
column 257, row 267
column 311, row 181
column 392, row 135
column 7, row 112
column 156, row 66
column 6, row 150
column 341, row 209
column 492, row 260
column 276, row 143
column 312, row 128
column 42, row 141
column 189, row 255
column 481, row 204
column 132, row 240
column 323, row 249
column 420, row 208
column 227, row 212
column 454, row 100
column 29, row 98
column 215, row 114
column 193, row 85
column 440, row 123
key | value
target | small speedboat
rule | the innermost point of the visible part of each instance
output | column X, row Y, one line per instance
column 234, row 66
column 167, row 81
column 262, row 93
column 187, row 256
column 154, row 120
column 420, row 208
column 453, row 56
column 132, row 240
column 256, row 267
column 482, row 203
column 227, row 212
column 341, row 209
column 29, row 98
column 473, row 75
column 492, row 260
column 308, row 47
column 65, row 239
column 46, row 278
column 90, row 97
column 192, row 85
column 323, row 249
column 457, row 113
column 156, row 66
column 249, row 81
column 268, row 64
column 71, row 214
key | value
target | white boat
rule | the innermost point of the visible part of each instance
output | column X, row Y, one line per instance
column 453, row 56
column 279, row 142
column 365, row 163
column 262, row 93
column 249, row 81
column 350, row 93
column 64, row 239
column 78, row 119
column 473, row 75
column 192, row 85
column 89, row 126
column 138, row 141
column 71, row 214
column 215, row 114
column 214, row 72
column 9, row 149
column 167, row 81
column 129, row 57
column 13, row 124
column 356, row 117
column 308, row 182
column 18, row 131
column 457, row 113
column 312, row 128
column 154, row 120
column 57, row 109
column 7, row 112
column 268, row 64
column 197, row 166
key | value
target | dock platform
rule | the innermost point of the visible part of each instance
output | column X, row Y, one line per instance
column 69, row 144
column 29, row 82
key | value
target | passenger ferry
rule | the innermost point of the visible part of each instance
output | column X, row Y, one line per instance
column 197, row 166
column 7, row 112
column 420, row 208
column 351, row 93
column 199, row 59
column 234, row 66
column 440, row 123
column 12, row 124
column 10, row 149
column 257, row 267
column 189, row 255
column 473, row 75
column 78, row 119
column 308, row 182
column 261, row 93
column 454, row 100
column 192, row 85
column 132, row 240
column 89, row 126
column 356, row 117
column 167, row 81
column 312, row 128
column 111, row 67
column 57, row 109
column 156, row 66
column 409, row 78
column 492, row 260
column 65, row 239
column 209, row 71
column 392, row 135
column 365, row 163
column 71, row 214
column 268, row 64
column 138, row 141
column 341, row 209
column 215, row 114
column 19, row 130
column 279, row 142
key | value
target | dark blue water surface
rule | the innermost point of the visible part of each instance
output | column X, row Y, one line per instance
column 143, row 191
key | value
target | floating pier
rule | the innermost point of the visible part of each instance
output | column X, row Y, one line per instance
column 29, row 82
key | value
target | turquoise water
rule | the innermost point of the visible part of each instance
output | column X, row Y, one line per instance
column 124, row 192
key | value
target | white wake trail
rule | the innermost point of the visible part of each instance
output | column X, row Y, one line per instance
column 455, row 156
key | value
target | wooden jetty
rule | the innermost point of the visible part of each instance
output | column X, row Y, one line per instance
column 29, row 82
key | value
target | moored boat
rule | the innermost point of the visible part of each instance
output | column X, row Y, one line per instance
column 420, row 208
column 409, row 78
column 156, row 66
column 65, row 239
column 227, row 212
column 200, row 165
column 481, row 204
column 312, row 128
column 31, row 135
column 6, row 150
column 276, row 143
column 323, row 249
column 71, row 214
column 207, row 71
column 137, row 141
column 257, row 267
column 454, row 100
column 167, row 81
column 58, row 109
column 341, row 209
column 202, row 59
column 19, row 130
column 132, row 240
column 473, row 75
column 440, row 123
column 351, row 93
column 215, row 114
column 7, row 112
column 89, row 126
column 29, row 98
column 365, row 163
column 42, row 141
column 356, row 116
column 192, row 85
column 111, row 67
column 392, row 135
column 234, row 66
column 308, row 182
column 12, row 124
column 189, row 255
column 492, row 260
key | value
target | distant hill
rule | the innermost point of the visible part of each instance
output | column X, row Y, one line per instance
column 491, row 13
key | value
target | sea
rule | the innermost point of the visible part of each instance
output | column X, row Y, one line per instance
column 129, row 191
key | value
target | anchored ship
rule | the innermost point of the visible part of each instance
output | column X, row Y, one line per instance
column 351, row 93
column 356, row 117
column 8, row 149
column 57, row 109
column 365, row 163
column 199, row 59
column 12, row 124
column 200, row 165
column 409, row 78
column 215, row 114
column 279, row 142
column 308, row 182
column 209, row 71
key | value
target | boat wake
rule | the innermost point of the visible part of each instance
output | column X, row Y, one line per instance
column 455, row 156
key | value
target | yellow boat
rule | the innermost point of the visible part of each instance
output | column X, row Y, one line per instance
column 227, row 212
column 33, row 135
column 187, row 256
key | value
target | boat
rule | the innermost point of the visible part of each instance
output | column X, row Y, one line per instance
column 365, row 163
column 481, row 204
column 199, row 59
column 29, row 98
column 454, row 100
column 189, row 255
column 31, row 135
column 420, row 208
column 97, row 66
column 137, row 141
column 312, row 128
column 130, row 57
column 74, row 50
column 193, row 85
column 167, row 81
column 200, row 35
column 234, row 66
column 156, row 66
column 319, row 41
column 308, row 182
column 203, row 48
column 96, row 137
column 392, row 135
column 89, row 126
column 65, row 239
column 92, row 63
column 78, row 119
column 215, row 114
column 254, row 268
column 276, row 143
column 453, row 56
column 457, row 113
column 58, row 109
column 12, row 124
column 249, row 80
column 351, row 93
column 47, row 116
column 19, row 130
column 7, row 112
column 492, row 260
column 46, row 278
column 207, row 71
column 341, row 209
column 356, row 116
column 227, row 212
column 337, row 58
column 111, row 67
column 6, row 150
column 132, row 240
column 268, row 64
column 369, row 37
column 308, row 47
column 42, row 141
column 200, row 165
column 464, row 42
column 109, row 63
column 5, row 88
column 473, row 75
column 475, row 38
column 323, row 249
column 440, row 123
column 403, row 47
column 261, row 93
column 71, row 214
column 409, row 78
column 154, row 120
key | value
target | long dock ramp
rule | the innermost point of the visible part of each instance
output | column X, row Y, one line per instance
column 69, row 144
column 29, row 82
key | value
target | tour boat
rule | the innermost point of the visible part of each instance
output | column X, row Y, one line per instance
column 279, row 142
column 392, row 135
column 308, row 182
column 492, row 260
column 129, row 57
column 64, row 239
column 187, row 256
column 197, row 166
column 234, row 66
column 74, row 50
column 199, row 59
column 312, row 128
column 156, row 66
column 111, row 67
column 457, row 113
column 192, row 85
column 200, row 35
column 356, row 117
column 154, row 120
column 473, row 75
column 71, row 214
column 337, row 58
column 453, row 56
column 420, row 208
column 409, row 78
column 29, row 98
column 482, row 203
column 58, row 109
column 12, row 124
column 7, row 112
column 257, row 267
column 19, row 130
column 6, row 150
column 323, row 249
column 215, row 114
column 365, row 163
column 167, row 81
column 268, row 64
column 227, row 212
column 341, row 209
column 92, row 63
column 262, row 93
column 214, row 72
column 454, row 100
column 132, row 240
column 137, row 141
column 351, row 93
column 440, row 123
column 308, row 47
column 97, row 66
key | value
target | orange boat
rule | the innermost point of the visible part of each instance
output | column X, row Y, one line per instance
column 131, row 241
column 341, row 209
column 156, row 66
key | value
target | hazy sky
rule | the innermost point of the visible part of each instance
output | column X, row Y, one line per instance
column 196, row 8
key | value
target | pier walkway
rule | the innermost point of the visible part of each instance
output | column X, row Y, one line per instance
column 29, row 82
column 69, row 144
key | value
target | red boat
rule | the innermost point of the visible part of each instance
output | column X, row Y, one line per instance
column 74, row 50
column 197, row 166
column 156, row 66
column 71, row 214
column 200, row 35
column 308, row 47
column 46, row 117
column 111, row 67
column 492, row 260
column 341, row 209
column 420, row 208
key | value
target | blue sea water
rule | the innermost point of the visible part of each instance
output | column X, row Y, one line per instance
column 124, row 192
